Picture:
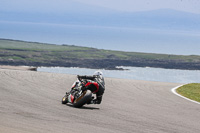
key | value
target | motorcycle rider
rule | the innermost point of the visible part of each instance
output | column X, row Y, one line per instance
column 95, row 84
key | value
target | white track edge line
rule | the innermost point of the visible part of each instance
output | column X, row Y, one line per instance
column 174, row 91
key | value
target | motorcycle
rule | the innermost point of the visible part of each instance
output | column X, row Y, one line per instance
column 76, row 96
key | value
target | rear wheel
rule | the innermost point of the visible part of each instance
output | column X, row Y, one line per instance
column 83, row 99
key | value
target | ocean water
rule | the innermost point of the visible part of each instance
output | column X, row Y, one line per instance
column 112, row 38
column 136, row 73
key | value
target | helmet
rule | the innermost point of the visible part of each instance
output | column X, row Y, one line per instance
column 99, row 78
column 98, row 73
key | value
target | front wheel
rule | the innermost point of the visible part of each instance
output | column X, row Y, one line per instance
column 65, row 99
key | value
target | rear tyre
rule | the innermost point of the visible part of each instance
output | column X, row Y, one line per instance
column 83, row 99
column 65, row 99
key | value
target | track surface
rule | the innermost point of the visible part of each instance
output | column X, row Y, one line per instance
column 30, row 102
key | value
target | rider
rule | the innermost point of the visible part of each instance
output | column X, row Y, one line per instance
column 95, row 84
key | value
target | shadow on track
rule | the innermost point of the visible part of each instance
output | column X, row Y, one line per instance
column 84, row 107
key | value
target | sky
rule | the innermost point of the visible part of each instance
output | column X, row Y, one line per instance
column 143, row 5
column 120, row 5
column 100, row 37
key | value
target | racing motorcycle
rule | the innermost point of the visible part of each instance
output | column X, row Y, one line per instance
column 76, row 96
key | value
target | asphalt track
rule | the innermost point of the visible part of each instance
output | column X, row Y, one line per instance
column 30, row 102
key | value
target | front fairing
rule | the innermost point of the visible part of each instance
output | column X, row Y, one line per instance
column 71, row 98
column 76, row 86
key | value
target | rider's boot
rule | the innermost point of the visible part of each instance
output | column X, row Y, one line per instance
column 90, row 101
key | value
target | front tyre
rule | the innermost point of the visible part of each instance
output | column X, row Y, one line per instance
column 65, row 99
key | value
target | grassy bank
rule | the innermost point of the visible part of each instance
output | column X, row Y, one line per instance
column 84, row 52
column 191, row 91
column 15, row 52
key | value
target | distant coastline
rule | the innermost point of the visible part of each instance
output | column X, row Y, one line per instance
column 23, row 53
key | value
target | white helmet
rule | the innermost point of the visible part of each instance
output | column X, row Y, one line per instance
column 98, row 73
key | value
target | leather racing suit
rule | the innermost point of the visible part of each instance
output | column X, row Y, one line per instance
column 95, row 84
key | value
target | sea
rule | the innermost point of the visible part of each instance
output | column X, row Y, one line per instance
column 136, row 73
column 112, row 38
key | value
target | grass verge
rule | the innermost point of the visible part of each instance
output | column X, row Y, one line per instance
column 191, row 91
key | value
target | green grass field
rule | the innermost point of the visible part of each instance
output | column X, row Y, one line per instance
column 43, row 54
column 86, row 52
column 191, row 91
